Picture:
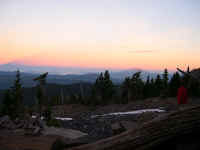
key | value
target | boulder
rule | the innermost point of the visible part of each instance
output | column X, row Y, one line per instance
column 37, row 131
column 16, row 121
column 64, row 143
column 117, row 128
column 31, row 126
column 128, row 125
column 5, row 122
column 40, row 123
column 10, row 125
column 4, row 119
column 67, row 133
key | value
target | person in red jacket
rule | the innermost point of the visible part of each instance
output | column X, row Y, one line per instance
column 182, row 95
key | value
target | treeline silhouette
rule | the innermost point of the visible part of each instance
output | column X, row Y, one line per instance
column 102, row 92
column 134, row 88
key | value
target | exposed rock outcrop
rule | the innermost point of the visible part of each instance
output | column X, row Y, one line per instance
column 30, row 126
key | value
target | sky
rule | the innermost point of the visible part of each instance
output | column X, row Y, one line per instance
column 112, row 34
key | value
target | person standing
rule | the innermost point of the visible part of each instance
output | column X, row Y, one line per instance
column 182, row 95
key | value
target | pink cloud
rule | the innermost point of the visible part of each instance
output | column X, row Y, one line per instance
column 142, row 51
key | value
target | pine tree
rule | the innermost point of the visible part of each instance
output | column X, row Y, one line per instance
column 126, row 90
column 13, row 99
column 186, row 79
column 103, row 89
column 17, row 95
column 165, row 79
column 8, row 105
column 153, row 91
column 41, row 95
column 108, row 86
column 188, row 69
column 137, row 86
column 147, row 88
column 174, row 84
column 152, row 81
column 158, row 85
column 97, row 90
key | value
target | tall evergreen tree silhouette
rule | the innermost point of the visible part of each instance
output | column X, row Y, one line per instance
column 8, row 105
column 165, row 79
column 17, row 95
column 147, row 88
column 126, row 90
column 41, row 94
column 13, row 99
column 103, row 88
column 136, row 86
column 158, row 85
column 108, row 86
column 174, row 84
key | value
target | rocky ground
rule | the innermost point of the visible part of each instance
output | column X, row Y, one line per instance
column 93, row 128
column 15, row 141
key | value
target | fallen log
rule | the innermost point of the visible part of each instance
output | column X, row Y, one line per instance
column 153, row 133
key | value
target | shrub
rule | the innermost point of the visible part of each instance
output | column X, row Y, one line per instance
column 54, row 123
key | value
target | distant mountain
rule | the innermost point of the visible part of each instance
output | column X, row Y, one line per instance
column 7, row 79
column 58, row 75
column 115, row 73
column 51, row 69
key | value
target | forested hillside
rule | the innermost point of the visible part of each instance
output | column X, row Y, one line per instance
column 103, row 90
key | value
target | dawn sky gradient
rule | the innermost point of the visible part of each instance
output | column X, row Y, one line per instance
column 146, row 34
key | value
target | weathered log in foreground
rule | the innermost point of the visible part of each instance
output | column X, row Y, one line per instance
column 153, row 133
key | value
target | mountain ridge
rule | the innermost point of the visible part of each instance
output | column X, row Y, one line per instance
column 8, row 73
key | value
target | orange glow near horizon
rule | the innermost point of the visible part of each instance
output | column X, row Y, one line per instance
column 32, row 48
column 101, row 34
column 96, row 55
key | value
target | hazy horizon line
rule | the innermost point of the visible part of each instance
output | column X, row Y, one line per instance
column 71, row 69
